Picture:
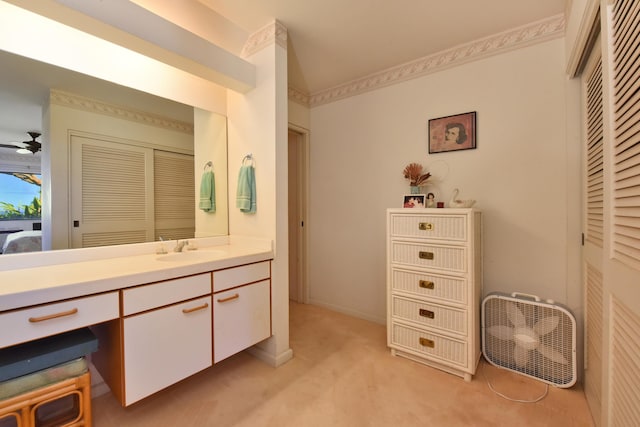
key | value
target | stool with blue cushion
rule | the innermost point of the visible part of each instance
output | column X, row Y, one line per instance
column 47, row 382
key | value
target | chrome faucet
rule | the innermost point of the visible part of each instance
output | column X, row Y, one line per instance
column 180, row 245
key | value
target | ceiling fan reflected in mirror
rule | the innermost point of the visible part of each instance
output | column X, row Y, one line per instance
column 25, row 147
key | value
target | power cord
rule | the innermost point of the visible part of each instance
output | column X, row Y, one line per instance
column 538, row 399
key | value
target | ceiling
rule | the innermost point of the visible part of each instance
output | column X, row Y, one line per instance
column 331, row 42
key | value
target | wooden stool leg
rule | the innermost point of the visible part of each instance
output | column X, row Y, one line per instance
column 85, row 382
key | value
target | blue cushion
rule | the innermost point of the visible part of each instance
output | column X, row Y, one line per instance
column 44, row 353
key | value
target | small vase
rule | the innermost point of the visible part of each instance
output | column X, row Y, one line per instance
column 414, row 189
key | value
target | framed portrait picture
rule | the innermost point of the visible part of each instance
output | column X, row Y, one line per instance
column 414, row 201
column 452, row 133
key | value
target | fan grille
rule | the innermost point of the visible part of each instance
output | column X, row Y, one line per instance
column 502, row 352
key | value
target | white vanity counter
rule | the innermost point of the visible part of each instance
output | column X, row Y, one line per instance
column 39, row 284
column 160, row 317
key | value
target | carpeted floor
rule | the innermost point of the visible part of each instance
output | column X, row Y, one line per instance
column 342, row 374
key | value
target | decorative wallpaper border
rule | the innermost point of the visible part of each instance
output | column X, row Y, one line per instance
column 87, row 104
column 274, row 32
column 299, row 96
column 537, row 32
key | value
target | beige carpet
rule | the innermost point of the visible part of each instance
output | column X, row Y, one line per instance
column 342, row 374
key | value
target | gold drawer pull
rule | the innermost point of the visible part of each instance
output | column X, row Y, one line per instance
column 427, row 284
column 232, row 297
column 427, row 313
column 425, row 226
column 425, row 255
column 191, row 310
column 53, row 316
column 427, row 342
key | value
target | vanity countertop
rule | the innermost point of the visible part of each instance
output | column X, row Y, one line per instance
column 42, row 284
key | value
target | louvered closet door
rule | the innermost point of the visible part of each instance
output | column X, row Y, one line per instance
column 174, row 195
column 611, row 254
column 111, row 193
column 621, row 263
column 592, row 94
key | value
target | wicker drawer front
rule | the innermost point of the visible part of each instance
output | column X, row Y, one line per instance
column 430, row 227
column 426, row 343
column 449, row 258
column 430, row 285
column 432, row 315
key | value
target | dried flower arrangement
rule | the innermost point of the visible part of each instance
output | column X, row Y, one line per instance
column 413, row 172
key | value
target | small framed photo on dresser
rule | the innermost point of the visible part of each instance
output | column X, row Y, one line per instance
column 414, row 201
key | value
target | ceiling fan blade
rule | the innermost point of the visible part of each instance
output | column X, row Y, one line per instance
column 520, row 356
column 552, row 354
column 501, row 332
column 515, row 315
column 546, row 325
column 10, row 146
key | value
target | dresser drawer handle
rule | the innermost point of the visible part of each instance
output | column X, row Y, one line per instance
column 425, row 255
column 427, row 284
column 53, row 316
column 425, row 226
column 425, row 342
column 191, row 310
column 427, row 313
column 232, row 297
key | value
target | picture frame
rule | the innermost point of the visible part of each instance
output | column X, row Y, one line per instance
column 452, row 133
column 414, row 201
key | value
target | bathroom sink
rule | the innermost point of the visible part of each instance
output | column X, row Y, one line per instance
column 189, row 256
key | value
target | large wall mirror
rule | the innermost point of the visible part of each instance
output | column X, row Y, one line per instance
column 109, row 135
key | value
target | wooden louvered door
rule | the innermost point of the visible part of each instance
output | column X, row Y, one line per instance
column 593, row 196
column 611, row 254
column 112, row 197
column 621, row 264
column 174, row 196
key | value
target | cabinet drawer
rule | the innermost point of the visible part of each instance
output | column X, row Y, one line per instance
column 241, row 318
column 231, row 277
column 164, row 346
column 147, row 297
column 446, row 288
column 449, row 258
column 426, row 343
column 51, row 319
column 432, row 315
column 450, row 227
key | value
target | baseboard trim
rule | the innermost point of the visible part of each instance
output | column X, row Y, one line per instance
column 270, row 359
column 349, row 312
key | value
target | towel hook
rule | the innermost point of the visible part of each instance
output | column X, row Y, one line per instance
column 249, row 157
column 208, row 164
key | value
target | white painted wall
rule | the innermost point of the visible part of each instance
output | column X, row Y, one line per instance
column 520, row 174
column 257, row 124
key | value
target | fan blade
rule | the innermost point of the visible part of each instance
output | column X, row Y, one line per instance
column 501, row 332
column 546, row 325
column 521, row 356
column 9, row 146
column 515, row 315
column 552, row 354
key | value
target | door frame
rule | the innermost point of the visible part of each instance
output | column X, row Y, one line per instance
column 302, row 198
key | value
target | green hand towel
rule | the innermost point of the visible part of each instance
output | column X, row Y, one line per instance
column 208, row 192
column 246, row 193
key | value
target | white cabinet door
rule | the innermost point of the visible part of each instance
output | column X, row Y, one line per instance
column 241, row 318
column 164, row 346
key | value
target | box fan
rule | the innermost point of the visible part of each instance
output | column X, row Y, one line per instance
column 530, row 337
